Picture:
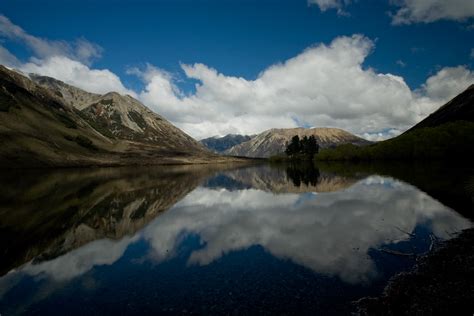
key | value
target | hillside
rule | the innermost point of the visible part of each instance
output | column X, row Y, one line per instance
column 44, row 122
column 221, row 144
column 448, row 133
column 273, row 141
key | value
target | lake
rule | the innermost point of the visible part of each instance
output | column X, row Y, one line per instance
column 222, row 239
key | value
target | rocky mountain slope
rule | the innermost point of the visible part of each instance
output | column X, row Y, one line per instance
column 461, row 108
column 118, row 116
column 273, row 141
column 221, row 144
column 45, row 122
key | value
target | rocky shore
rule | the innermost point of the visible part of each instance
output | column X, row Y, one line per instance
column 440, row 284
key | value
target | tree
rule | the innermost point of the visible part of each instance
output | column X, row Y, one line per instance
column 312, row 146
column 294, row 146
column 307, row 146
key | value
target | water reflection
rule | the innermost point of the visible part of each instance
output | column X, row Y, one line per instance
column 328, row 233
column 104, row 224
column 51, row 213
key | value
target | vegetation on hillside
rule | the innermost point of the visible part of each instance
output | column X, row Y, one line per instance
column 299, row 149
column 452, row 140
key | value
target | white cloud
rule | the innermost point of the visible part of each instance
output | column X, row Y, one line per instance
column 326, row 85
column 447, row 83
column 413, row 11
column 81, row 49
column 401, row 63
column 7, row 58
column 326, row 4
column 62, row 60
column 77, row 74
column 381, row 135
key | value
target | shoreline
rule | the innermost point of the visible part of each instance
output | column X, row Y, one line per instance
column 439, row 283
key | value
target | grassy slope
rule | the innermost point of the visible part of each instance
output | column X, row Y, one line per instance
column 448, row 141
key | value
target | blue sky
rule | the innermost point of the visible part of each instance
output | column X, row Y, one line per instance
column 141, row 42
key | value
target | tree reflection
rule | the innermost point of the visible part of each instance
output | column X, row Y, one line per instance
column 303, row 173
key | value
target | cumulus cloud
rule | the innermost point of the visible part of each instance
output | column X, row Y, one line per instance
column 81, row 49
column 77, row 74
column 325, row 85
column 447, row 83
column 426, row 11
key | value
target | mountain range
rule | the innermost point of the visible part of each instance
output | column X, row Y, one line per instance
column 273, row 142
column 46, row 122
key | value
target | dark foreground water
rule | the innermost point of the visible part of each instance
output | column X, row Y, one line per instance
column 219, row 239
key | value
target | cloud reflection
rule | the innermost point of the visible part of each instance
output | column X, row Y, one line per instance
column 330, row 233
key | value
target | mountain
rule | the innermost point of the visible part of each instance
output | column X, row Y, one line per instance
column 45, row 122
column 461, row 108
column 446, row 134
column 119, row 117
column 273, row 141
column 221, row 144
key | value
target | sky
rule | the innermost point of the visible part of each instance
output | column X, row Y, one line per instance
column 372, row 67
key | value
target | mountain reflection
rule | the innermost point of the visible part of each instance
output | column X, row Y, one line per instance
column 67, row 223
column 51, row 213
column 282, row 179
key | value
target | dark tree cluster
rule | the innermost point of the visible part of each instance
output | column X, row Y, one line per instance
column 307, row 146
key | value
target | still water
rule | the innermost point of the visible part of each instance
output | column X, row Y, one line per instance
column 216, row 239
